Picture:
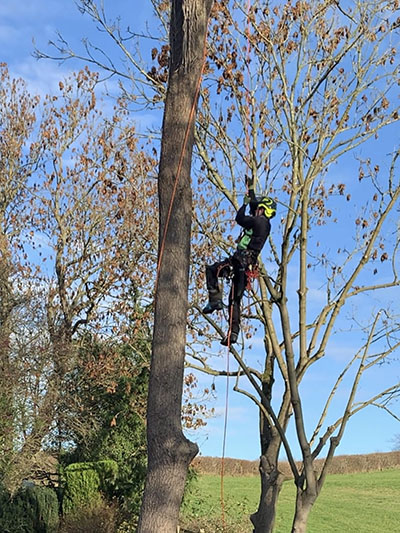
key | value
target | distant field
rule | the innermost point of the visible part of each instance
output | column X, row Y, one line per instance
column 368, row 502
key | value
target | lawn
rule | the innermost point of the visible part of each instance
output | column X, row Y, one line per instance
column 349, row 503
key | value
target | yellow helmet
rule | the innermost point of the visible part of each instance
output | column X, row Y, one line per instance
column 269, row 206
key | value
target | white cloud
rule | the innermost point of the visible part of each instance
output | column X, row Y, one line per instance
column 235, row 413
column 9, row 34
column 31, row 10
column 42, row 77
column 317, row 295
column 22, row 21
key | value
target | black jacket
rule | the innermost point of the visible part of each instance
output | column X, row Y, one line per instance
column 260, row 226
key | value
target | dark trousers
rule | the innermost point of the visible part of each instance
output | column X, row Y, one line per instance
column 237, row 265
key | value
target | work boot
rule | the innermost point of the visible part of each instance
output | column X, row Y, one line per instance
column 230, row 339
column 216, row 305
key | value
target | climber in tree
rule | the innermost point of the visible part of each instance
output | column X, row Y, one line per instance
column 256, row 228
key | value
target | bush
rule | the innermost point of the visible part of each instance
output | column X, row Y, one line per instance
column 85, row 484
column 31, row 510
column 101, row 518
column 116, row 402
column 127, row 526
column 341, row 464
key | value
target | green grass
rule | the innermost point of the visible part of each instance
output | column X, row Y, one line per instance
column 349, row 503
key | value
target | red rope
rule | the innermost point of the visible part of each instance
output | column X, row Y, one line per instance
column 222, row 498
column 180, row 163
column 252, row 273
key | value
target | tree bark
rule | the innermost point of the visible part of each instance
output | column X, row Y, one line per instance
column 271, row 478
column 169, row 452
column 271, row 483
column 304, row 503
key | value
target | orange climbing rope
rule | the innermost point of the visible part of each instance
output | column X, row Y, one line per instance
column 222, row 496
column 252, row 274
column 180, row 163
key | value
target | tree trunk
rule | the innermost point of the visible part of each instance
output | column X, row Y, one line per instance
column 271, row 483
column 271, row 478
column 169, row 452
column 304, row 503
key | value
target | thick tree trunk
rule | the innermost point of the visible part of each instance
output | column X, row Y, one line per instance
column 271, row 483
column 270, row 442
column 304, row 503
column 169, row 452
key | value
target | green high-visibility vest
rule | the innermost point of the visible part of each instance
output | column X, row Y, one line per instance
column 245, row 239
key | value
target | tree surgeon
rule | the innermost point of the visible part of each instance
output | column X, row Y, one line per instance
column 256, row 228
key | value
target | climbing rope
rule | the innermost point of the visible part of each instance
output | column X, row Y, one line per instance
column 222, row 496
column 181, row 158
column 252, row 273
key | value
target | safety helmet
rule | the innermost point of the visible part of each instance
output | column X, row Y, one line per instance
column 269, row 206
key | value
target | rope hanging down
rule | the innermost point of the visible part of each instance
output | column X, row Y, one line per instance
column 222, row 497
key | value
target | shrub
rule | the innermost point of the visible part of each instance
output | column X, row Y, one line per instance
column 127, row 526
column 31, row 510
column 116, row 402
column 101, row 518
column 85, row 484
column 342, row 464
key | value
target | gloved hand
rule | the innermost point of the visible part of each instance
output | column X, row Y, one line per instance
column 246, row 200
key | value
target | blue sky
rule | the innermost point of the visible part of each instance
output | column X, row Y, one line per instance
column 35, row 21
column 38, row 20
